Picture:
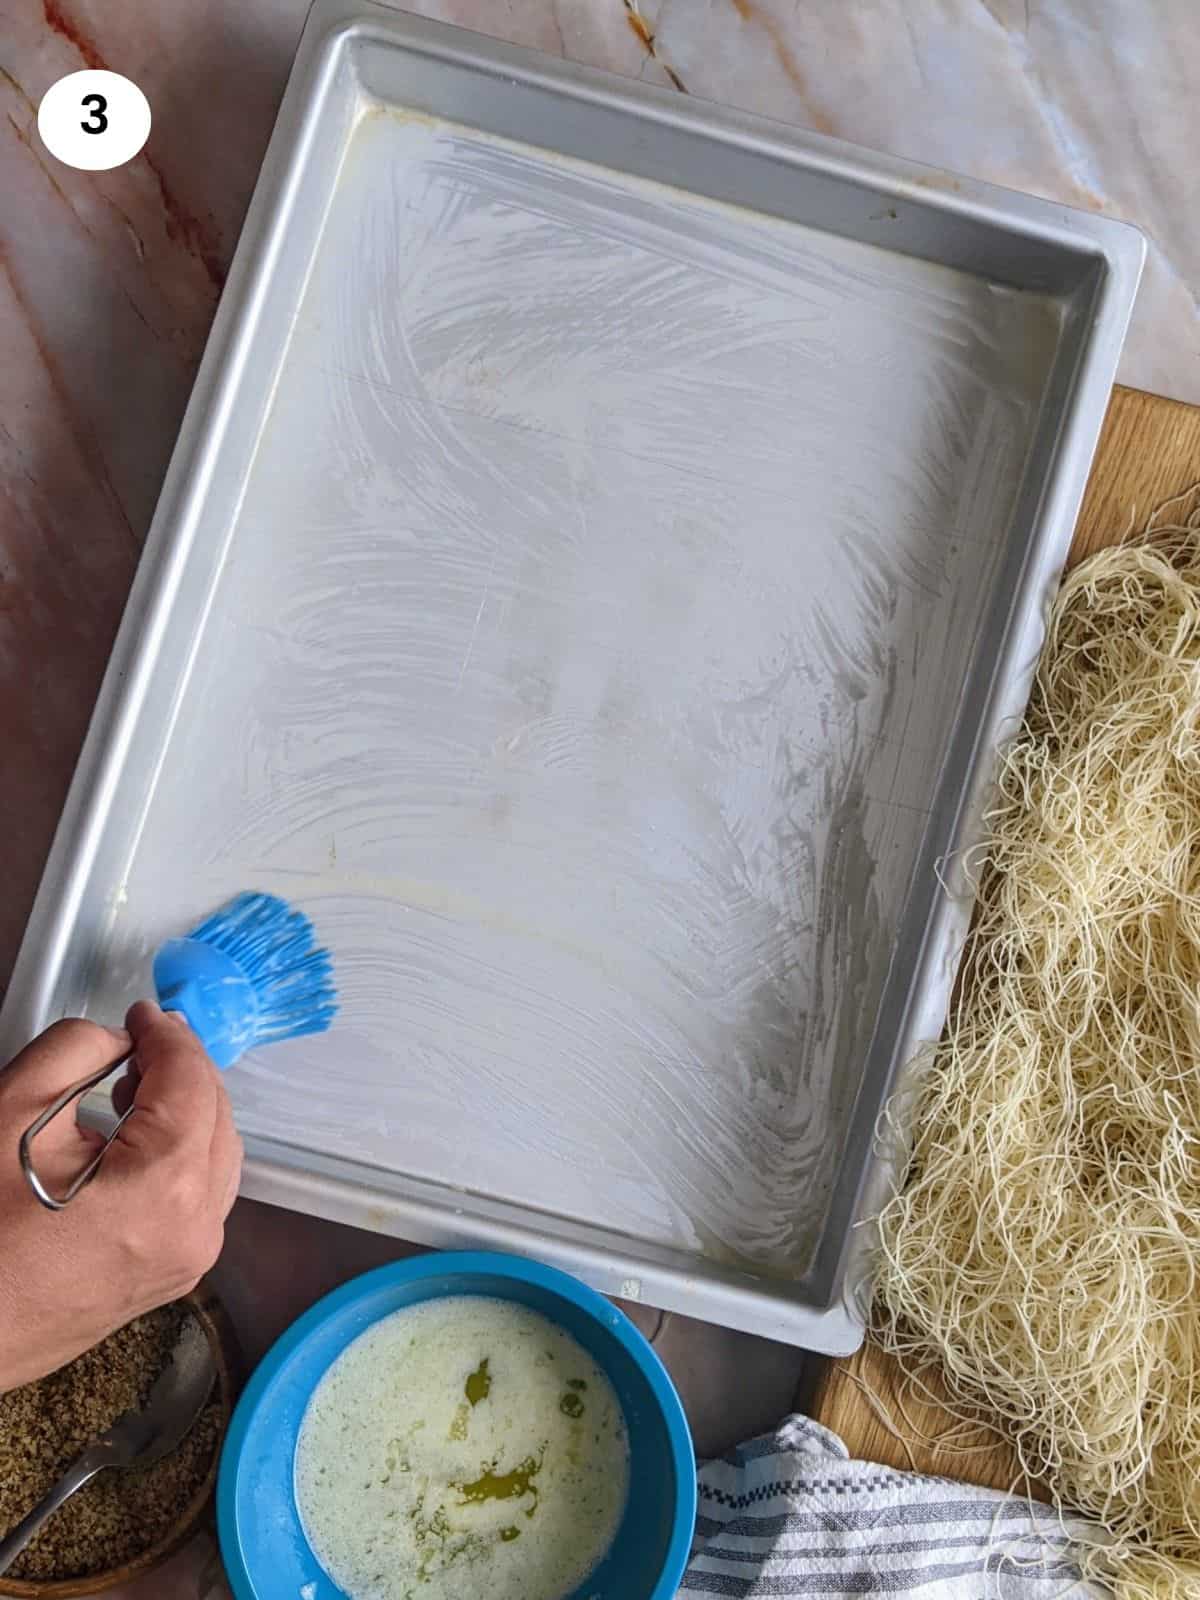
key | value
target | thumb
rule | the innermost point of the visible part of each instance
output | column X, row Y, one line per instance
column 176, row 1098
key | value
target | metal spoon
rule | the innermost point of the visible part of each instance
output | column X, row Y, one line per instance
column 143, row 1436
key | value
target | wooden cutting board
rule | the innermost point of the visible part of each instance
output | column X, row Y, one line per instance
column 1149, row 450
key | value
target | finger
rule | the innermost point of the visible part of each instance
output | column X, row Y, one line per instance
column 225, row 1156
column 176, row 1099
column 230, row 1197
column 67, row 1052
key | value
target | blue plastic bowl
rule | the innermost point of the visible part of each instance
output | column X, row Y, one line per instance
column 262, row 1540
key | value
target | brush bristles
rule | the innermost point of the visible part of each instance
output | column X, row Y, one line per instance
column 275, row 946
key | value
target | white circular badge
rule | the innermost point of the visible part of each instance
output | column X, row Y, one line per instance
column 94, row 120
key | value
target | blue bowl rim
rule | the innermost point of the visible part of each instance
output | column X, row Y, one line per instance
column 495, row 1264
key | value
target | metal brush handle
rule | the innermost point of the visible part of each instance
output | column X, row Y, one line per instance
column 57, row 1202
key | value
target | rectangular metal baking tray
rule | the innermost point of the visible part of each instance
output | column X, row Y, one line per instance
column 606, row 540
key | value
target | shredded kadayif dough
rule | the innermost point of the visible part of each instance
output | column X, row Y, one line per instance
column 1045, row 1250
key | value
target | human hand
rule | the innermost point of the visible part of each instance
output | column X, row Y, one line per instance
column 148, row 1225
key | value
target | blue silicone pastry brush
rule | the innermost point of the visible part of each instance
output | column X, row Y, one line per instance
column 250, row 974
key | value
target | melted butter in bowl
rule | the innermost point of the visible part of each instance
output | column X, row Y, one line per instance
column 465, row 1446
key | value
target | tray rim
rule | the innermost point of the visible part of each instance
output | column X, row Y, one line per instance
column 771, row 1306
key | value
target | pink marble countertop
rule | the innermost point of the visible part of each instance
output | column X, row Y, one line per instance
column 109, row 282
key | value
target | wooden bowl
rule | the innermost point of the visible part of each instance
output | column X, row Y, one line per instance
column 214, row 1319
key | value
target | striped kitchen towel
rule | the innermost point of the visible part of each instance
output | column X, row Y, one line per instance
column 791, row 1514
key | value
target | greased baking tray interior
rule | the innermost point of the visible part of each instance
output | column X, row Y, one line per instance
column 606, row 539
